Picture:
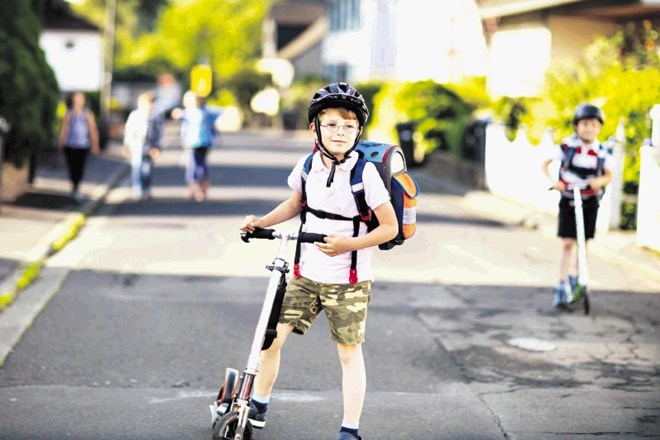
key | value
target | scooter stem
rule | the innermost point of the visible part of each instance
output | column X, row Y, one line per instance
column 259, row 333
column 583, row 272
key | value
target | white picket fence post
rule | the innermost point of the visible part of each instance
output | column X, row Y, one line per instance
column 648, row 202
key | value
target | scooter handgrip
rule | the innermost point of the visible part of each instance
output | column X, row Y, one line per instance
column 310, row 237
column 258, row 233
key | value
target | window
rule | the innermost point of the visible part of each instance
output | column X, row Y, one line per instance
column 339, row 72
column 344, row 14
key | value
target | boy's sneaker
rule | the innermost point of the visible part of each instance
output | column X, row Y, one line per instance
column 347, row 436
column 257, row 419
column 559, row 299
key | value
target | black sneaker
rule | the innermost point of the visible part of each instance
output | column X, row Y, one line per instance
column 347, row 436
column 257, row 419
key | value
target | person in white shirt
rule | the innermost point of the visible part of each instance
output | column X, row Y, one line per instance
column 586, row 164
column 142, row 136
column 337, row 114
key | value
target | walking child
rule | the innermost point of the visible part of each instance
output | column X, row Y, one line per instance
column 198, row 132
column 337, row 114
column 585, row 163
column 142, row 136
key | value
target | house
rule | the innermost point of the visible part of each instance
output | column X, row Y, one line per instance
column 73, row 48
column 404, row 40
column 294, row 31
column 362, row 40
column 526, row 36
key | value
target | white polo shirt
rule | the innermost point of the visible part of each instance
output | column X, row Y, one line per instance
column 337, row 199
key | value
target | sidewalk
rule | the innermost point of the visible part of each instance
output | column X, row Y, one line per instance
column 44, row 219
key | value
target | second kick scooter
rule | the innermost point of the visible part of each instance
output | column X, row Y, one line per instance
column 581, row 293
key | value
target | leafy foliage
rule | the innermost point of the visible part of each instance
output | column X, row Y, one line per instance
column 440, row 115
column 28, row 88
column 619, row 73
column 246, row 83
column 226, row 34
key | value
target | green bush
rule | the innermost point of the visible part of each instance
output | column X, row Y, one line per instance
column 296, row 100
column 28, row 88
column 369, row 91
column 440, row 115
column 244, row 84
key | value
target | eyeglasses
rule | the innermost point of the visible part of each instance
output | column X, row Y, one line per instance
column 333, row 127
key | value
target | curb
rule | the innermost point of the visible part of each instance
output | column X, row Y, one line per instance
column 55, row 240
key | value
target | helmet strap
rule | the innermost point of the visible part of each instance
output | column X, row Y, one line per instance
column 328, row 154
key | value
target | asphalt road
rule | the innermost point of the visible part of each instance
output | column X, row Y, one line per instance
column 152, row 301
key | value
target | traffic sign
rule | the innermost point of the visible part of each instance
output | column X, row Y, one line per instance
column 201, row 80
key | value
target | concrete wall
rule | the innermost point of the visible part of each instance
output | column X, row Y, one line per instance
column 14, row 182
column 571, row 34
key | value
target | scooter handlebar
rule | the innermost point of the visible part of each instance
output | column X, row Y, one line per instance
column 271, row 234
column 310, row 237
column 258, row 233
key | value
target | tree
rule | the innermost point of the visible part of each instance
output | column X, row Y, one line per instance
column 28, row 88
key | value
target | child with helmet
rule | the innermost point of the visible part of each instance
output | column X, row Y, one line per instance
column 585, row 163
column 337, row 114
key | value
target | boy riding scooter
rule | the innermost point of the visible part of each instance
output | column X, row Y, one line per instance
column 586, row 164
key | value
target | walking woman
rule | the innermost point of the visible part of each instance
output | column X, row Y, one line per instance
column 78, row 136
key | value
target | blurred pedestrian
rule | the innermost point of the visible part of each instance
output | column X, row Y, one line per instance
column 79, row 135
column 198, row 132
column 142, row 137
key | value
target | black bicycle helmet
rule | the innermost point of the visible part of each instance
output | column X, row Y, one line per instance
column 338, row 94
column 588, row 111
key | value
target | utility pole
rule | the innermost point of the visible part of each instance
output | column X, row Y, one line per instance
column 108, row 55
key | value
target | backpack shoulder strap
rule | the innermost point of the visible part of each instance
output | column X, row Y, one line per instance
column 600, row 166
column 569, row 152
column 357, row 188
column 307, row 167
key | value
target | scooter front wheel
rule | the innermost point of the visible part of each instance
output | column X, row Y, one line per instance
column 227, row 426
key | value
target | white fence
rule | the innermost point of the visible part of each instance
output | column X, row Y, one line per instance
column 648, row 201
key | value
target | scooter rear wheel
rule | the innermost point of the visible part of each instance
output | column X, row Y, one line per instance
column 227, row 426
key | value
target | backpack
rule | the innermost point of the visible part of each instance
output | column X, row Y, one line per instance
column 402, row 187
column 569, row 147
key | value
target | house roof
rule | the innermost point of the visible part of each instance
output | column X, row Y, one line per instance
column 58, row 15
column 595, row 8
column 297, row 12
column 500, row 8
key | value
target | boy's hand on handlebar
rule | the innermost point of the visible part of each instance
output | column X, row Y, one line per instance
column 558, row 185
column 250, row 223
column 334, row 245
column 596, row 183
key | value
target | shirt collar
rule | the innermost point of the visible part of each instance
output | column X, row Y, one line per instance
column 319, row 167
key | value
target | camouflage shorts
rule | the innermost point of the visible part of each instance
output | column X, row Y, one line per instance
column 345, row 306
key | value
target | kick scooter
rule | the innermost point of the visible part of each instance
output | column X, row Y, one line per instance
column 581, row 293
column 230, row 410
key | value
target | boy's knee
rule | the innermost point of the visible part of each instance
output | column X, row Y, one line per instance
column 567, row 243
column 348, row 353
